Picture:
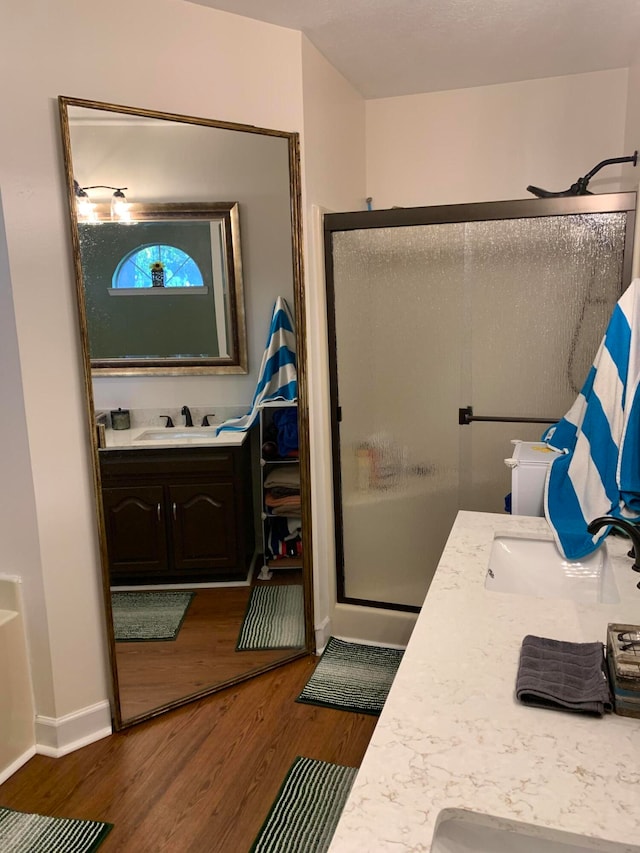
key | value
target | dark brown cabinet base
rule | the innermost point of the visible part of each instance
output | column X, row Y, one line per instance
column 177, row 515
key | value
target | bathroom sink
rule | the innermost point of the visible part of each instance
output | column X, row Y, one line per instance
column 173, row 434
column 533, row 565
column 460, row 831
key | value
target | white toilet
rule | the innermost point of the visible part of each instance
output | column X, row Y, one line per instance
column 529, row 465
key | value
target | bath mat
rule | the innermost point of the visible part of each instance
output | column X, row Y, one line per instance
column 21, row 832
column 147, row 616
column 274, row 619
column 306, row 811
column 352, row 677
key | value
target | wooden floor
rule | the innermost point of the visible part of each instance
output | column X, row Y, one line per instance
column 200, row 779
column 155, row 674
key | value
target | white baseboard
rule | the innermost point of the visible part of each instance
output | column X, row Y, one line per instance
column 17, row 764
column 56, row 737
column 374, row 625
column 322, row 632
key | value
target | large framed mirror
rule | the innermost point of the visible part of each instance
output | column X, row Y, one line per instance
column 185, row 543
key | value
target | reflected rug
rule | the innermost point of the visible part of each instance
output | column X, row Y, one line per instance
column 352, row 677
column 21, row 832
column 148, row 616
column 274, row 619
column 306, row 811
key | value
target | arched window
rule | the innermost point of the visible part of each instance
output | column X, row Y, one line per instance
column 157, row 265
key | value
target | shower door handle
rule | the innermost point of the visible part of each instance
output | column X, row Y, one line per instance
column 466, row 416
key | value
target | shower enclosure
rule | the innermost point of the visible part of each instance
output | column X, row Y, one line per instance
column 453, row 330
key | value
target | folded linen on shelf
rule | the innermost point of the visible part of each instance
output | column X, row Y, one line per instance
column 562, row 675
column 283, row 491
column 289, row 505
column 283, row 475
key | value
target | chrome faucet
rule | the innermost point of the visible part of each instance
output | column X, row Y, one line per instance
column 186, row 411
column 629, row 527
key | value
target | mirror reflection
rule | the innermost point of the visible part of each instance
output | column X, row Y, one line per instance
column 177, row 271
column 201, row 523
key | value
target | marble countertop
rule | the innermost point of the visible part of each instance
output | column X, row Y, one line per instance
column 453, row 736
column 129, row 439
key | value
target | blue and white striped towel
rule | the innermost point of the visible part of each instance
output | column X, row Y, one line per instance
column 278, row 378
column 599, row 471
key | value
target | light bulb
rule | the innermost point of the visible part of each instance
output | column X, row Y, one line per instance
column 120, row 207
column 84, row 205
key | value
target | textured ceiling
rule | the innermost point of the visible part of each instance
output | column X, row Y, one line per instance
column 387, row 48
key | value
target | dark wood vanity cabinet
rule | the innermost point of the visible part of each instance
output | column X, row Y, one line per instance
column 177, row 515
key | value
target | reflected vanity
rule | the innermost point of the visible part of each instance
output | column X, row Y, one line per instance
column 183, row 288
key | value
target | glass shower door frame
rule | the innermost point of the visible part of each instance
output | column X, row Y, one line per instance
column 624, row 202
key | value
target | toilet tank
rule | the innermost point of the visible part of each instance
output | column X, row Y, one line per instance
column 529, row 464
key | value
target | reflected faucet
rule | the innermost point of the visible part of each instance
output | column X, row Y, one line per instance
column 186, row 411
column 631, row 529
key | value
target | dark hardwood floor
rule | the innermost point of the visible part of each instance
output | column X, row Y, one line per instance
column 200, row 779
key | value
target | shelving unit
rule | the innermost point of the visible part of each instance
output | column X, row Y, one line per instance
column 282, row 530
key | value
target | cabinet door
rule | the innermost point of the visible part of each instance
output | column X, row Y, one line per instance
column 135, row 528
column 204, row 529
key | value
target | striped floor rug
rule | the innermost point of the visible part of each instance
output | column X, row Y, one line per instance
column 274, row 619
column 21, row 832
column 145, row 616
column 352, row 677
column 306, row 811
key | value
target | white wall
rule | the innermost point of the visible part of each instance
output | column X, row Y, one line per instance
column 334, row 180
column 631, row 144
column 489, row 143
column 20, row 554
column 158, row 54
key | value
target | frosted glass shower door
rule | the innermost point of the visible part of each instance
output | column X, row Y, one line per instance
column 501, row 314
column 398, row 314
column 538, row 295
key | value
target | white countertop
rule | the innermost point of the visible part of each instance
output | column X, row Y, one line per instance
column 129, row 439
column 453, row 736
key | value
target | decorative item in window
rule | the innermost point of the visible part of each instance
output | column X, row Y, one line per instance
column 157, row 274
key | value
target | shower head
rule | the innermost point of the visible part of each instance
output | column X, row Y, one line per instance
column 580, row 186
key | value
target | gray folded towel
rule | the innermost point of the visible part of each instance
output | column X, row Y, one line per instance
column 566, row 676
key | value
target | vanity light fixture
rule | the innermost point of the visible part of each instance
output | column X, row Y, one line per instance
column 86, row 208
column 84, row 205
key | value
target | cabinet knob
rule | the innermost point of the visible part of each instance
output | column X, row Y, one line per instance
column 158, row 511
column 175, row 511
